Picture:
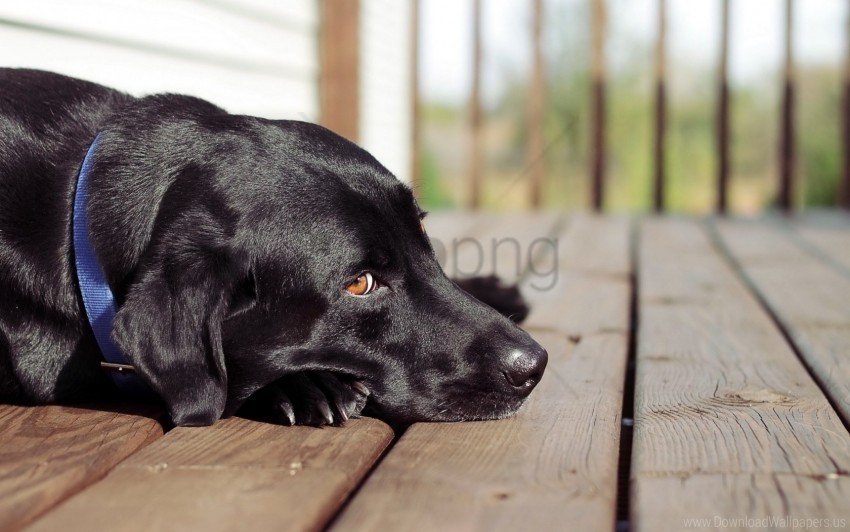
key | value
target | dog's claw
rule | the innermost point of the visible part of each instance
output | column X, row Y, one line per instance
column 289, row 412
column 325, row 410
column 360, row 388
column 342, row 408
column 310, row 398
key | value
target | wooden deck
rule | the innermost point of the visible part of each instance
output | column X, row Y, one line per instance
column 699, row 378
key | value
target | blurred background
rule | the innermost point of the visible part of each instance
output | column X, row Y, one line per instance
column 622, row 105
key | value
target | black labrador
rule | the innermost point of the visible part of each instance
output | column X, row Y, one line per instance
column 258, row 264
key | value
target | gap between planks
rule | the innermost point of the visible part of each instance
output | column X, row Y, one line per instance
column 235, row 474
column 728, row 421
column 825, row 237
column 805, row 294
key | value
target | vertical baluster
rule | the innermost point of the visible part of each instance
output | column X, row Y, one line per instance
column 598, row 119
column 844, row 187
column 785, row 199
column 723, row 116
column 660, row 106
column 475, row 145
column 535, row 155
column 415, row 102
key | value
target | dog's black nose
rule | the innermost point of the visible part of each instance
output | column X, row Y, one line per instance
column 524, row 367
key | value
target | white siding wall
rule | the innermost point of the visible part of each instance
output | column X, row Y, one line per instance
column 255, row 57
column 385, row 106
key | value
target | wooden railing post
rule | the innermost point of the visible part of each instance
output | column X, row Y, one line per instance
column 340, row 68
column 415, row 111
column 660, row 106
column 723, row 116
column 844, row 186
column 475, row 147
column 597, row 189
column 535, row 155
column 785, row 198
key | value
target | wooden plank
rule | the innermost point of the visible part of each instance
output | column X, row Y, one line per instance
column 593, row 270
column 553, row 464
column 728, row 422
column 826, row 235
column 448, row 226
column 49, row 453
column 758, row 501
column 236, row 475
column 482, row 244
column 445, row 230
column 809, row 298
column 506, row 246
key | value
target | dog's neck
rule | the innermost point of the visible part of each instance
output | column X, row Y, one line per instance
column 98, row 300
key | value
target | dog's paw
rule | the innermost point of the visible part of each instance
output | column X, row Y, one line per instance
column 312, row 398
column 505, row 299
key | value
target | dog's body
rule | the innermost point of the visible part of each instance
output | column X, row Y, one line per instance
column 231, row 244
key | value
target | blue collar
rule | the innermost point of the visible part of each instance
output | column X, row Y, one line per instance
column 97, row 296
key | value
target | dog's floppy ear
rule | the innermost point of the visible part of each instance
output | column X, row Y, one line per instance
column 169, row 327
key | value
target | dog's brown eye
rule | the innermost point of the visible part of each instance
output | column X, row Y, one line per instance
column 363, row 285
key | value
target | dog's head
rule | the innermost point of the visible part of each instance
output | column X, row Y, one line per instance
column 284, row 248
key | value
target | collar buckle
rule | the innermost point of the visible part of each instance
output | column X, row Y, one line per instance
column 118, row 368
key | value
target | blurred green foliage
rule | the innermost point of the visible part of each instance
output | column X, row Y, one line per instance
column 431, row 192
column 691, row 160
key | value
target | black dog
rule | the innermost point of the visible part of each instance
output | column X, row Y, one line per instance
column 250, row 259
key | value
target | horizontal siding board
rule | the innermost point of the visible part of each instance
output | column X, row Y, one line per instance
column 178, row 27
column 140, row 73
column 292, row 15
column 214, row 49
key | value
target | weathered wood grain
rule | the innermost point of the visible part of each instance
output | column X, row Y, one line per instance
column 592, row 269
column 552, row 466
column 758, row 501
column 49, row 453
column 826, row 236
column 810, row 298
column 236, row 475
column 728, row 422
